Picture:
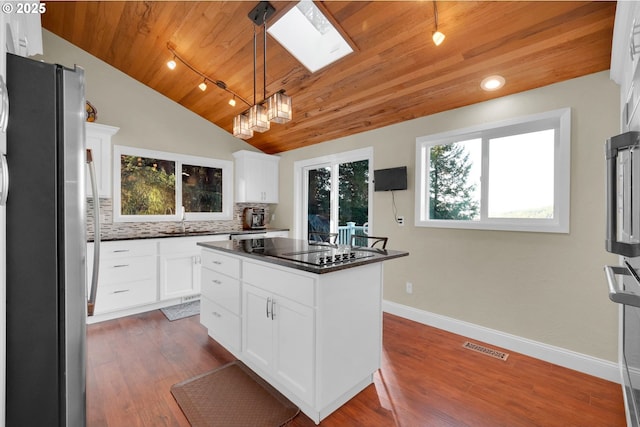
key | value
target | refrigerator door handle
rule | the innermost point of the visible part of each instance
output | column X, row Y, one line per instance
column 4, row 180
column 615, row 294
column 96, row 235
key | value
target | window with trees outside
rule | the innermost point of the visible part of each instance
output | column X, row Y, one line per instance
column 510, row 175
column 157, row 186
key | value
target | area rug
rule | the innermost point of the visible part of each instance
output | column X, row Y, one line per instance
column 232, row 396
column 181, row 311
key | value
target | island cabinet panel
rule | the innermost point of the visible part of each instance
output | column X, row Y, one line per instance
column 220, row 306
column 280, row 281
column 278, row 339
column 317, row 338
column 223, row 264
column 223, row 326
column 223, row 289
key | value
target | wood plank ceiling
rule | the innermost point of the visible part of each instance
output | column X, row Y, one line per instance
column 395, row 74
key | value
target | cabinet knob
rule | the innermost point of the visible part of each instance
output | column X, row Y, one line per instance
column 217, row 282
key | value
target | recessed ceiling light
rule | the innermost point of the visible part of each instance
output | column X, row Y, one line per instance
column 492, row 83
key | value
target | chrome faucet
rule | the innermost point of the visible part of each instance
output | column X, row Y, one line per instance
column 182, row 218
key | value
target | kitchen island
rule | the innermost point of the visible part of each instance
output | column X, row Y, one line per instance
column 307, row 318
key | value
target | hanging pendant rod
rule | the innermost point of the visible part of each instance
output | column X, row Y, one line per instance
column 222, row 85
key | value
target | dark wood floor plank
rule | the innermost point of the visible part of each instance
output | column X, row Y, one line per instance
column 427, row 379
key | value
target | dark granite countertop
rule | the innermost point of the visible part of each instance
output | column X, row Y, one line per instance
column 301, row 255
column 179, row 233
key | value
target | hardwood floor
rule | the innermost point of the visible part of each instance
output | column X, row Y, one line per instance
column 427, row 379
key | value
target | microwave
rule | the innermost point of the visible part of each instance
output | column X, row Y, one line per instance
column 623, row 194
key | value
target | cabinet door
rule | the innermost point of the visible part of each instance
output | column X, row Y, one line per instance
column 256, row 177
column 257, row 327
column 98, row 139
column 294, row 346
column 179, row 275
column 269, row 179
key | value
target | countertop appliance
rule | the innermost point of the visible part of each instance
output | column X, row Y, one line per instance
column 46, row 235
column 322, row 255
column 623, row 238
column 253, row 219
column 303, row 255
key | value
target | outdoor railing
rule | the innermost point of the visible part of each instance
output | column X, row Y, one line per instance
column 345, row 232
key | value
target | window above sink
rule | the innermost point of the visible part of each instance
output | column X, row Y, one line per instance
column 147, row 188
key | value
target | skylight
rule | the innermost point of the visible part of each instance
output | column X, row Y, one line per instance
column 309, row 36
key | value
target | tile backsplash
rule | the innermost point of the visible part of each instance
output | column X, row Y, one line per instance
column 114, row 230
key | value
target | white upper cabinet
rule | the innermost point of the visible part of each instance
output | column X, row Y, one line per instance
column 625, row 55
column 98, row 138
column 24, row 28
column 256, row 176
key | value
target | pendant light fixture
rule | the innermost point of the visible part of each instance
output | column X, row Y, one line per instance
column 258, row 118
column 437, row 36
column 276, row 108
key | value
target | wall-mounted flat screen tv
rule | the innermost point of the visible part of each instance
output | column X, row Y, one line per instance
column 390, row 179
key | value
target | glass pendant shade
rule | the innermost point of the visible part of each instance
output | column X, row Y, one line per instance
column 279, row 108
column 258, row 121
column 241, row 127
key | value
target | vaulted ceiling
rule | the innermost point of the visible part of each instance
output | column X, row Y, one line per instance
column 395, row 74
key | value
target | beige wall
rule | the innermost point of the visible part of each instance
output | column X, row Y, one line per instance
column 545, row 287
column 146, row 118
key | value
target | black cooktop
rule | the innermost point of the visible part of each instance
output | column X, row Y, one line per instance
column 303, row 255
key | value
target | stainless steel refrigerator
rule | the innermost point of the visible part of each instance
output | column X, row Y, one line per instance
column 46, row 245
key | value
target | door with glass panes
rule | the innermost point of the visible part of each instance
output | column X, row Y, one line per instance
column 337, row 200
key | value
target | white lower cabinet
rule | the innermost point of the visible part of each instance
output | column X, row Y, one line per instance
column 180, row 265
column 278, row 336
column 127, row 275
column 145, row 274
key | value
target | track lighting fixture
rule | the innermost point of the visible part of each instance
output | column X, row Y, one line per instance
column 437, row 36
column 203, row 85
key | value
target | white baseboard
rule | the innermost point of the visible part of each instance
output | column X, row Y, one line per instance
column 559, row 356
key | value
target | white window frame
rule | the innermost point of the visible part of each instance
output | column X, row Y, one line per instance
column 179, row 159
column 300, row 178
column 559, row 119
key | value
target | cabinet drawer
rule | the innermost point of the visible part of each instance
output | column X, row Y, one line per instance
column 223, row 326
column 222, row 289
column 126, row 249
column 294, row 286
column 215, row 261
column 119, row 296
column 122, row 270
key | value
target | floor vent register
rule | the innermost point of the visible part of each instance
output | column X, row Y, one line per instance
column 486, row 350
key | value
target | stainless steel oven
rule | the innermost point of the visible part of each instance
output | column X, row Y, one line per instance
column 623, row 238
column 626, row 292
